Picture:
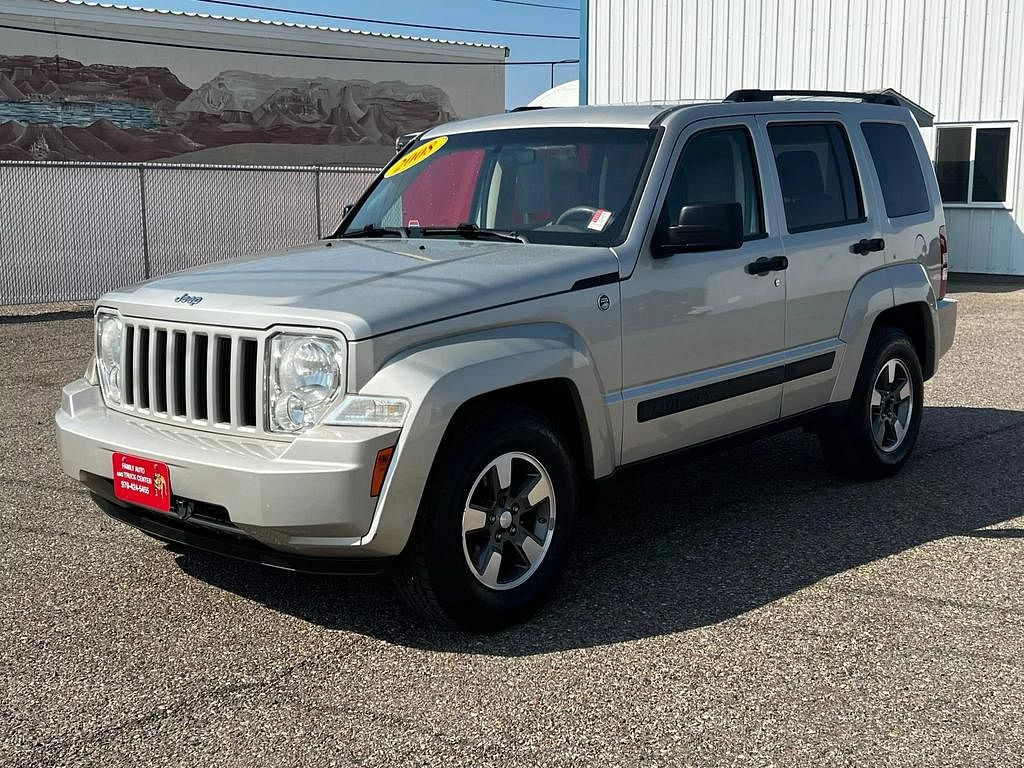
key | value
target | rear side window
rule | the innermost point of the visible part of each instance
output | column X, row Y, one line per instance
column 819, row 182
column 898, row 169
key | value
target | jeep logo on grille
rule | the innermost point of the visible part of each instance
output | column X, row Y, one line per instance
column 186, row 299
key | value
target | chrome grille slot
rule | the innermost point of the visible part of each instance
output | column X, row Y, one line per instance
column 179, row 346
column 200, row 410
column 221, row 390
column 158, row 366
column 199, row 376
column 248, row 382
column 142, row 368
column 128, row 365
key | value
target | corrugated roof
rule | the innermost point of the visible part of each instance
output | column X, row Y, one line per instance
column 291, row 24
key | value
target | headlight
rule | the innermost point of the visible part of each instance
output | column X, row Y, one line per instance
column 306, row 375
column 109, row 329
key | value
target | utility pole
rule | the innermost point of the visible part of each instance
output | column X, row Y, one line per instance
column 560, row 61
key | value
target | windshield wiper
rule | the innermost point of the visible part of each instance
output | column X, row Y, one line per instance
column 473, row 232
column 372, row 230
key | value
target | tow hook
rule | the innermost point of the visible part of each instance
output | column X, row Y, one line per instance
column 184, row 508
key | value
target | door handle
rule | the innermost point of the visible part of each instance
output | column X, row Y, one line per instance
column 867, row 246
column 764, row 265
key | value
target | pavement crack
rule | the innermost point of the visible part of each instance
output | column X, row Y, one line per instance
column 984, row 435
column 37, row 486
column 907, row 597
column 40, row 531
column 167, row 712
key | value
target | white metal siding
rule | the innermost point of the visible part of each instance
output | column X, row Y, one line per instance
column 961, row 59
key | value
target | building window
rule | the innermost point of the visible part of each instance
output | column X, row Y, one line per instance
column 974, row 164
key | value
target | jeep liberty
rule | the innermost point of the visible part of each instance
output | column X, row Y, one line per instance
column 517, row 306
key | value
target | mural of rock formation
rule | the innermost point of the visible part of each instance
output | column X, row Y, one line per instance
column 24, row 76
column 58, row 109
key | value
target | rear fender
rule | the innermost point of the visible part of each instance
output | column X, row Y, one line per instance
column 873, row 294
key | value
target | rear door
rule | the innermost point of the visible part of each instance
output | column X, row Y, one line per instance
column 830, row 238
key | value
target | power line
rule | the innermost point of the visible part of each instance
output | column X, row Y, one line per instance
column 362, row 59
column 536, row 5
column 361, row 20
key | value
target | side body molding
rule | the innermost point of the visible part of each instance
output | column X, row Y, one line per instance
column 874, row 293
column 438, row 378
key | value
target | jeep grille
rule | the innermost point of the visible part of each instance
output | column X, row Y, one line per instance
column 204, row 377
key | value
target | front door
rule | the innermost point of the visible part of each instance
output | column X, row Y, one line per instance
column 702, row 334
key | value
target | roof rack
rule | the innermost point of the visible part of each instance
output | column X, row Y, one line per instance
column 755, row 94
column 887, row 96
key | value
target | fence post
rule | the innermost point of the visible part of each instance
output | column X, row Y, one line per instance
column 319, row 218
column 145, row 225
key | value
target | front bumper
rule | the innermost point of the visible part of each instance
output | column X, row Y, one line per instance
column 946, row 311
column 308, row 497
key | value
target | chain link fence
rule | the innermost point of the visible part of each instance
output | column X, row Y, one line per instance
column 71, row 231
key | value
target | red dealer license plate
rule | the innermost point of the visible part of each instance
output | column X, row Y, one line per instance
column 142, row 481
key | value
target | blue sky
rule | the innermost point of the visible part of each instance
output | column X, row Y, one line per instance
column 521, row 83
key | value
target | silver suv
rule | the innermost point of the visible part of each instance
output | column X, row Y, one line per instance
column 520, row 305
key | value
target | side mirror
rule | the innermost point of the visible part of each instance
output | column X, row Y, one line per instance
column 405, row 140
column 702, row 227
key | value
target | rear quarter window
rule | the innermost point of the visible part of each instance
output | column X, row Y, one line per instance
column 817, row 175
column 898, row 169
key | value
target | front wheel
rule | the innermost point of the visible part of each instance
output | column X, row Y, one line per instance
column 874, row 435
column 493, row 530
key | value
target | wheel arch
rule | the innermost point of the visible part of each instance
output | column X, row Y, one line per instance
column 914, row 319
column 558, row 399
column 544, row 366
column 901, row 296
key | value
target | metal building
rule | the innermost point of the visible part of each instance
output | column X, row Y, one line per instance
column 960, row 59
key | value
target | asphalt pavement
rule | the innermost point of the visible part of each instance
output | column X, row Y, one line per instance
column 742, row 608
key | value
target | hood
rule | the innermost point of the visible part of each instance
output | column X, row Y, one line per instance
column 364, row 287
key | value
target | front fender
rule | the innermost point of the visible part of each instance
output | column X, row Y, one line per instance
column 874, row 293
column 438, row 378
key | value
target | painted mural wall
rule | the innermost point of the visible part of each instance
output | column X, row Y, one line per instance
column 74, row 98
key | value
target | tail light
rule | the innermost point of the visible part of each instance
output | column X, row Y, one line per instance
column 944, row 259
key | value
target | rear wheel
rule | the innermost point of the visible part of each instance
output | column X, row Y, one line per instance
column 876, row 432
column 493, row 530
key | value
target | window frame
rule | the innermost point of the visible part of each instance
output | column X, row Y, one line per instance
column 655, row 133
column 858, row 174
column 930, row 208
column 1011, row 163
column 756, row 170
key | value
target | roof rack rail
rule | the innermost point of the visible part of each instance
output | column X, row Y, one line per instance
column 755, row 94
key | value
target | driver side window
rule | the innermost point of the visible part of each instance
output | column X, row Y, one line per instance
column 718, row 166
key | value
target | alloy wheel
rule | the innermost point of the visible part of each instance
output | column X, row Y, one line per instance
column 508, row 521
column 892, row 405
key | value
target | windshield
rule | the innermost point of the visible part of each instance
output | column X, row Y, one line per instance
column 571, row 186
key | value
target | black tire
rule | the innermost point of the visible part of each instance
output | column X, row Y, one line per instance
column 847, row 440
column 433, row 574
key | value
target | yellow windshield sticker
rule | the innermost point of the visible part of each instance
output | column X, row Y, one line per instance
column 418, row 155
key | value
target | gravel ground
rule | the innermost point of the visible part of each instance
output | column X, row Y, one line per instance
column 788, row 619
